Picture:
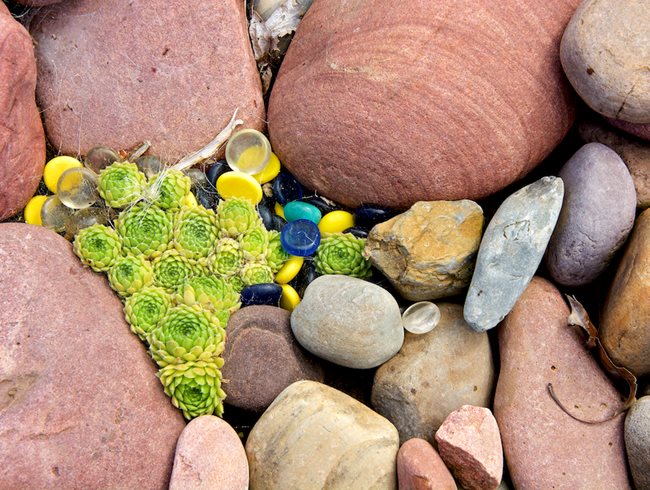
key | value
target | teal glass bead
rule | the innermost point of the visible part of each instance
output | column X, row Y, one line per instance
column 296, row 210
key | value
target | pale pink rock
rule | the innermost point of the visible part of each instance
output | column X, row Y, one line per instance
column 544, row 447
column 469, row 443
column 209, row 456
column 37, row 3
column 419, row 467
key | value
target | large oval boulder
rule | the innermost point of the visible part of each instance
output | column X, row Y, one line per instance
column 399, row 102
column 22, row 141
column 80, row 404
column 120, row 72
column 544, row 446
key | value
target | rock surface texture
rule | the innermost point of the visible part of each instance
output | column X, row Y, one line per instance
column 398, row 103
column 433, row 375
column 262, row 357
column 80, row 405
column 428, row 252
column 209, row 456
column 22, row 141
column 640, row 130
column 419, row 467
column 544, row 447
column 97, row 85
column 637, row 442
column 315, row 437
column 625, row 320
column 596, row 217
column 603, row 52
column 511, row 249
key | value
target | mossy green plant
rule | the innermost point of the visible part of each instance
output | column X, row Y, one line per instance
column 121, row 184
column 342, row 253
column 145, row 230
column 145, row 308
column 98, row 247
column 130, row 274
column 195, row 232
column 236, row 216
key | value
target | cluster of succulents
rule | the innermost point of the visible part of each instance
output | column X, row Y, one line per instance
column 342, row 253
column 179, row 269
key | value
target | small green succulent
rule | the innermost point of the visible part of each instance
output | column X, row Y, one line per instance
column 236, row 282
column 194, row 387
column 342, row 253
column 145, row 308
column 210, row 292
column 98, row 247
column 276, row 256
column 255, row 273
column 185, row 334
column 172, row 269
column 130, row 274
column 145, row 229
column 254, row 243
column 227, row 257
column 195, row 232
column 223, row 316
column 169, row 187
column 121, row 184
column 236, row 216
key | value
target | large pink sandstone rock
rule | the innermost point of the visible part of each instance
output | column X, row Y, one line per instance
column 37, row 3
column 22, row 141
column 398, row 102
column 80, row 405
column 118, row 72
column 544, row 447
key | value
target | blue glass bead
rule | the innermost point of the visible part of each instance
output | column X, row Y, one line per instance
column 306, row 275
column 357, row 232
column 300, row 237
column 261, row 294
column 215, row 171
column 286, row 188
column 368, row 215
column 323, row 204
column 296, row 210
column 266, row 213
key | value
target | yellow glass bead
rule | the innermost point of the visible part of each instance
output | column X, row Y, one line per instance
column 32, row 211
column 55, row 167
column 279, row 210
column 336, row 222
column 189, row 200
column 239, row 184
column 289, row 299
column 289, row 270
column 270, row 172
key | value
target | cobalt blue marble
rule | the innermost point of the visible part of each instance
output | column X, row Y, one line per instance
column 306, row 275
column 215, row 171
column 368, row 215
column 261, row 294
column 286, row 188
column 300, row 237
column 296, row 210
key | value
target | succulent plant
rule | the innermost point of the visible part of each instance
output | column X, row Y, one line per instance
column 195, row 232
column 236, row 283
column 194, row 387
column 342, row 253
column 121, row 184
column 145, row 308
column 172, row 269
column 185, row 334
column 169, row 187
column 145, row 229
column 223, row 316
column 227, row 257
column 236, row 216
column 98, row 247
column 255, row 273
column 211, row 292
column 254, row 243
column 276, row 256
column 130, row 274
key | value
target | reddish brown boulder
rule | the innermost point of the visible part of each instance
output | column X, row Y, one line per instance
column 402, row 102
column 419, row 467
column 80, row 405
column 22, row 141
column 118, row 72
column 37, row 3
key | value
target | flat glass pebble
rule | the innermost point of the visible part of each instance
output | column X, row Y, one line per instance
column 261, row 294
column 248, row 151
column 336, row 222
column 239, row 184
column 368, row 215
column 77, row 188
column 300, row 237
column 149, row 165
column 197, row 177
column 54, row 213
column 289, row 270
column 215, row 171
column 55, row 167
column 100, row 157
column 271, row 170
column 206, row 197
column 286, row 188
column 85, row 218
column 32, row 211
column 357, row 232
column 323, row 204
column 279, row 210
column 307, row 274
column 290, row 298
column 421, row 317
column 295, row 210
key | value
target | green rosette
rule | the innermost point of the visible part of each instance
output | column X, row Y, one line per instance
column 98, row 247
column 195, row 232
column 169, row 187
column 144, row 309
column 172, row 269
column 256, row 273
column 145, row 229
column 210, row 292
column 130, row 274
column 194, row 387
column 186, row 334
column 342, row 253
column 227, row 258
column 236, row 283
column 121, row 184
column 223, row 316
column 236, row 216
column 254, row 244
column 276, row 256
